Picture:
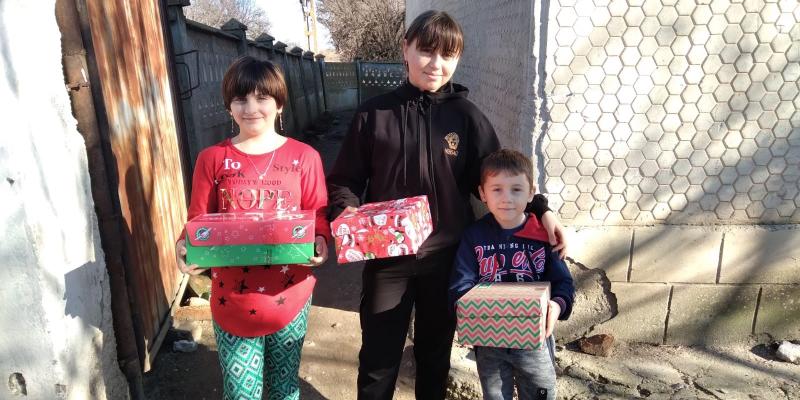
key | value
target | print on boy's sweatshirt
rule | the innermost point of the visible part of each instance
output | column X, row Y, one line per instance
column 493, row 265
column 237, row 193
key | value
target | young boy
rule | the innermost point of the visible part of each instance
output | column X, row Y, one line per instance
column 509, row 245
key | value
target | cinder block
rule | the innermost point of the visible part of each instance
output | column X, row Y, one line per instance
column 641, row 312
column 761, row 256
column 673, row 254
column 703, row 315
column 779, row 312
column 603, row 248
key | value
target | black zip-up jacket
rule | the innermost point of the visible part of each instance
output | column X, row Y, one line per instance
column 409, row 142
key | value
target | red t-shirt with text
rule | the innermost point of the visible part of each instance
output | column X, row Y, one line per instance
column 259, row 300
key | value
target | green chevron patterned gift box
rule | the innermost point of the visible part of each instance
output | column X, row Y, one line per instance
column 504, row 314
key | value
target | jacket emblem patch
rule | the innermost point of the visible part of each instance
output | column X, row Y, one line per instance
column 452, row 140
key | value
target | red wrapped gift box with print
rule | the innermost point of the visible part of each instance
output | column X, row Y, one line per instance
column 251, row 238
column 380, row 230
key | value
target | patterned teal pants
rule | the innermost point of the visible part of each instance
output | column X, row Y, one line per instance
column 272, row 362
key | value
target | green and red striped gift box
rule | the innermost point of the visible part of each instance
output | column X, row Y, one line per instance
column 250, row 238
column 504, row 314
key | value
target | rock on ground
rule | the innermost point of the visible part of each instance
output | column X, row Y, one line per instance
column 597, row 345
column 594, row 303
column 788, row 351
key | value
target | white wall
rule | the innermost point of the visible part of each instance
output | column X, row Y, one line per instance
column 55, row 314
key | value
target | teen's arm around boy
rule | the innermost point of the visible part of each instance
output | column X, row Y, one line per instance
column 465, row 270
column 562, row 289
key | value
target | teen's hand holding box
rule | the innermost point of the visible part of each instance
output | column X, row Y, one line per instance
column 384, row 229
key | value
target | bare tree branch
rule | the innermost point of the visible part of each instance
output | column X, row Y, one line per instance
column 370, row 29
column 217, row 12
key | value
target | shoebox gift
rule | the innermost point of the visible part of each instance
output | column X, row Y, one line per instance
column 504, row 314
column 380, row 230
column 243, row 239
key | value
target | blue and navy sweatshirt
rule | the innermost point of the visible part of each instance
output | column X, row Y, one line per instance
column 489, row 253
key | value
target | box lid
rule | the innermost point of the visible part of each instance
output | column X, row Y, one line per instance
column 223, row 229
column 504, row 299
column 380, row 211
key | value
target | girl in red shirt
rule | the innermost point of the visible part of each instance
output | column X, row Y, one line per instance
column 259, row 312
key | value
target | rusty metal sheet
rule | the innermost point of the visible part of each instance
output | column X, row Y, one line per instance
column 130, row 52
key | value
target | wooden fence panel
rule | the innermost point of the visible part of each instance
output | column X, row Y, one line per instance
column 137, row 103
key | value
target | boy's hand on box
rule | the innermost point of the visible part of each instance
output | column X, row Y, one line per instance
column 320, row 250
column 553, row 311
column 180, row 259
column 555, row 233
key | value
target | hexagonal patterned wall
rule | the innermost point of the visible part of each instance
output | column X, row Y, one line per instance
column 673, row 111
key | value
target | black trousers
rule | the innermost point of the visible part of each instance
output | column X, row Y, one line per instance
column 390, row 288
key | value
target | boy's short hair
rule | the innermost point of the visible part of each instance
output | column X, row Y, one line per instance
column 436, row 32
column 509, row 161
column 247, row 75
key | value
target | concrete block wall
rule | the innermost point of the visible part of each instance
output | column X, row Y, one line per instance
column 694, row 285
column 340, row 85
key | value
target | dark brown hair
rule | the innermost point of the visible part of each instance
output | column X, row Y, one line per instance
column 509, row 161
column 436, row 32
column 247, row 75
